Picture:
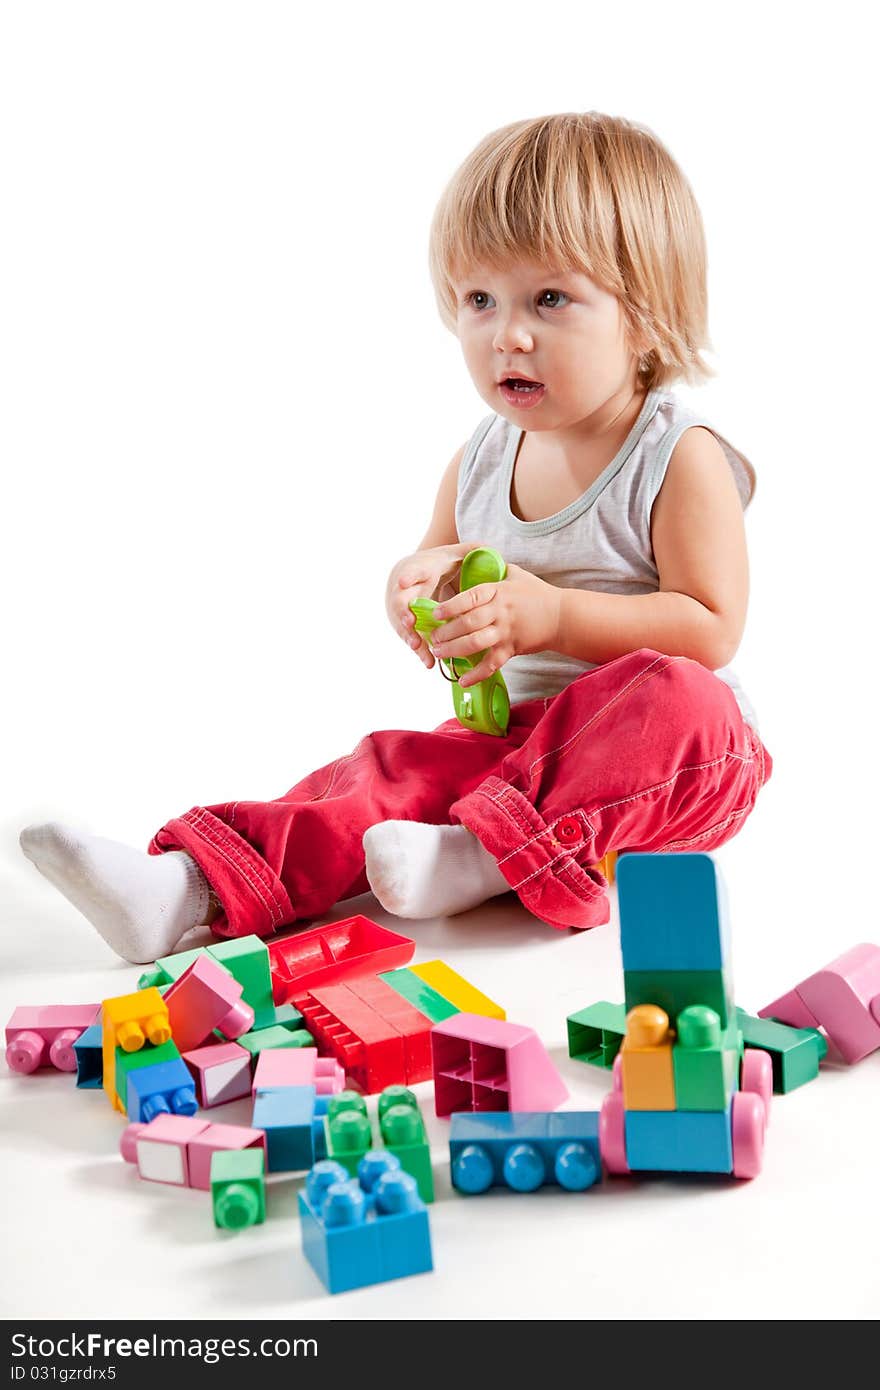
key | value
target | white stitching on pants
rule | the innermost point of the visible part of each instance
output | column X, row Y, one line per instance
column 238, row 864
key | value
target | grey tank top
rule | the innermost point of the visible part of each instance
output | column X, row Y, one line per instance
column 601, row 540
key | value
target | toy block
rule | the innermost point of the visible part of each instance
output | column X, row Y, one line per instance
column 285, row 1016
column 89, row 1058
column 170, row 968
column 221, row 1071
column 355, row 1235
column 419, row 993
column 673, row 913
column 238, row 1188
column 675, row 990
column 204, row 998
column 213, row 1137
column 402, row 1132
column 525, row 1151
column 347, row 1132
column 607, row 866
column 457, row 990
column 790, row 1008
column 646, row 1060
column 596, row 1032
column 845, row 999
column 369, row 1048
column 247, row 960
column 413, row 1027
column 160, row 1148
column 293, row 1121
column 130, row 1021
column 795, row 1053
column 705, row 1061
column 326, row 955
column 43, row 1035
column 679, row 1141
column 127, row 1062
column 297, row 1067
column 165, row 1087
column 263, row 1039
column 489, row 1064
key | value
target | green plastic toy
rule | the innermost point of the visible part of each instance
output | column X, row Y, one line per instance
column 485, row 706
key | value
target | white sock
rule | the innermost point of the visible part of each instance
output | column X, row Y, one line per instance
column 418, row 870
column 140, row 903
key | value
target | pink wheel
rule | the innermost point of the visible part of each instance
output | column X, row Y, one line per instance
column 612, row 1134
column 757, row 1076
column 747, row 1133
column 61, row 1052
column 617, row 1073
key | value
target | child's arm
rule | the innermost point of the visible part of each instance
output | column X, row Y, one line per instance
column 698, row 537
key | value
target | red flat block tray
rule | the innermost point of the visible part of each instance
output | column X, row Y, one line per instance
column 325, row 955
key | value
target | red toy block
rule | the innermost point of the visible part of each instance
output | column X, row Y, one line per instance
column 368, row 1047
column 206, row 997
column 214, row 1137
column 301, row 1066
column 339, row 951
column 413, row 1026
column 221, row 1072
column 489, row 1064
column 43, row 1035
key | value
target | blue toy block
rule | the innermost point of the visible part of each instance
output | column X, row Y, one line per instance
column 525, row 1151
column 293, row 1118
column 165, row 1088
column 679, row 1141
column 89, row 1058
column 673, row 912
column 364, row 1231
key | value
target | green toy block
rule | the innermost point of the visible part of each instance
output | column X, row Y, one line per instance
column 278, row 1036
column 146, row 1057
column 705, row 1061
column 153, row 978
column 286, row 1016
column 596, row 1032
column 347, row 1130
column 674, row 990
column 420, row 995
column 238, row 1188
column 403, row 1133
column 794, row 1052
column 247, row 960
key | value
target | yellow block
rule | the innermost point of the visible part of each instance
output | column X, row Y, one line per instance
column 646, row 1060
column 607, row 866
column 456, row 989
column 129, row 1021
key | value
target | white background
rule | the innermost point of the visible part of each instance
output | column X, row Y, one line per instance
column 227, row 400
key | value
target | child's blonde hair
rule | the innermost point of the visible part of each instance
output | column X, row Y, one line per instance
column 592, row 193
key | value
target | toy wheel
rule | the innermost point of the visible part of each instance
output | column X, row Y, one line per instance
column 617, row 1073
column 524, row 1168
column 576, row 1169
column 757, row 1076
column 747, row 1133
column 472, row 1169
column 61, row 1053
column 24, row 1053
column 612, row 1133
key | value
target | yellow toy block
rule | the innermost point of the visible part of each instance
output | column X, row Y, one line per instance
column 129, row 1021
column 453, row 987
column 607, row 865
column 646, row 1051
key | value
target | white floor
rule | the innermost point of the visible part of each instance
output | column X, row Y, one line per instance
column 84, row 1237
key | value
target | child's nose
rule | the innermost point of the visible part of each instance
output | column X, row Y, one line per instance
column 513, row 334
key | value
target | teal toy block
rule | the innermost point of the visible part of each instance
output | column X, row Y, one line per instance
column 673, row 913
column 402, row 1132
column 596, row 1032
column 705, row 1060
column 420, row 994
column 292, row 1118
column 89, row 1059
column 278, row 1036
column 238, row 1188
column 525, row 1151
column 364, row 1231
column 795, row 1053
column 675, row 990
column 679, row 1141
column 286, row 1016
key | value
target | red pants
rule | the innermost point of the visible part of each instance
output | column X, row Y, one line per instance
column 647, row 752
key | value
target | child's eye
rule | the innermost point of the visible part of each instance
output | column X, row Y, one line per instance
column 477, row 299
column 551, row 299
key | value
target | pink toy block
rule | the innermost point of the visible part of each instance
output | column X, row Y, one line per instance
column 215, row 1137
column 489, row 1064
column 747, row 1127
column 43, row 1035
column 221, row 1073
column 206, row 997
column 297, row 1066
column 845, row 998
column 790, row 1008
column 160, row 1148
column 612, row 1132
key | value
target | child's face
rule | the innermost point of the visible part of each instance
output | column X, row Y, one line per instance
column 557, row 328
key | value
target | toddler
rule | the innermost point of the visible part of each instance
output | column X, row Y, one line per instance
column 567, row 256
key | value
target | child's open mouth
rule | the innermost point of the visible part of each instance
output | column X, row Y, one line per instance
column 522, row 394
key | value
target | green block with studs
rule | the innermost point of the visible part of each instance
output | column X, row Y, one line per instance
column 238, row 1188
column 674, row 990
column 347, row 1130
column 247, row 960
column 596, row 1032
column 402, row 1131
column 705, row 1060
column 279, row 1036
column 794, row 1052
column 420, row 994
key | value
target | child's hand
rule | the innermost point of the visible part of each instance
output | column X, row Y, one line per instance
column 420, row 576
column 519, row 614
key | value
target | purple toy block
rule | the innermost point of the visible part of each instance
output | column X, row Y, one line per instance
column 202, row 1146
column 206, row 997
column 483, row 1064
column 160, row 1149
column 845, row 998
column 301, row 1066
column 43, row 1035
column 221, row 1073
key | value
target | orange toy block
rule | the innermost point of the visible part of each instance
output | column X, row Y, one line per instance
column 646, row 1060
column 128, row 1022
